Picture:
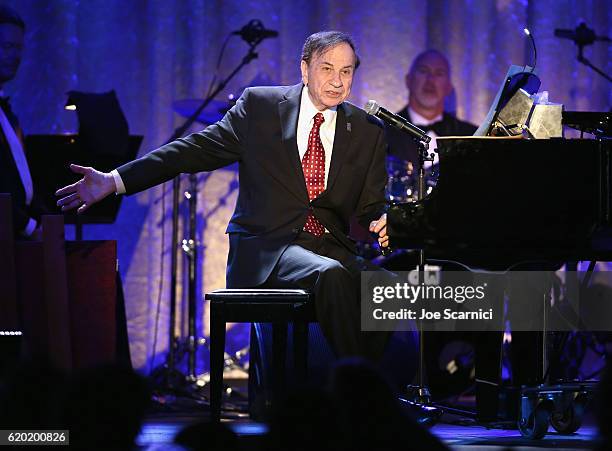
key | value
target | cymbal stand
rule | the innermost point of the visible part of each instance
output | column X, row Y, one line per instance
column 189, row 245
column 190, row 250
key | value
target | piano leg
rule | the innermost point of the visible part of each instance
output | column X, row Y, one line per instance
column 488, row 358
column 528, row 293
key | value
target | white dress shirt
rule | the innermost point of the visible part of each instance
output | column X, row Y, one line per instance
column 327, row 131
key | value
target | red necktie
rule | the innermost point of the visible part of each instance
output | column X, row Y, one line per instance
column 313, row 165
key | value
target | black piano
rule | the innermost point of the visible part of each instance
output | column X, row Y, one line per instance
column 513, row 203
column 502, row 201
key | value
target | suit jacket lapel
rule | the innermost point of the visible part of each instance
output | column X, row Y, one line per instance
column 445, row 126
column 288, row 110
column 342, row 139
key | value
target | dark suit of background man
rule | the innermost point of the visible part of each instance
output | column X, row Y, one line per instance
column 429, row 84
column 286, row 230
column 15, row 175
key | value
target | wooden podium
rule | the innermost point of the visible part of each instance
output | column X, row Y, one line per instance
column 61, row 295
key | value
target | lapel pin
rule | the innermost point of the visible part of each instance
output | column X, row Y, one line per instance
column 348, row 127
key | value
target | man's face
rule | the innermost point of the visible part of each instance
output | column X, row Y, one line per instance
column 329, row 76
column 11, row 48
column 429, row 82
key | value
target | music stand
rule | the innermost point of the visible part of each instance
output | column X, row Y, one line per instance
column 103, row 142
column 517, row 78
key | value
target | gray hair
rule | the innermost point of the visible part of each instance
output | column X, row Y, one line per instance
column 324, row 40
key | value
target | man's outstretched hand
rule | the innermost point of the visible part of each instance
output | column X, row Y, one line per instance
column 92, row 188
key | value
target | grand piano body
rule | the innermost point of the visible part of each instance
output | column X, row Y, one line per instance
column 508, row 203
column 503, row 201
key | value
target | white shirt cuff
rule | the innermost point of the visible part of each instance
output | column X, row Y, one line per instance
column 30, row 227
column 119, row 186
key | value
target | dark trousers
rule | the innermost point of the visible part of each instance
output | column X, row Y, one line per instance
column 332, row 273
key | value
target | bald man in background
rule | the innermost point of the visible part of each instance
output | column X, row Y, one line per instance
column 429, row 84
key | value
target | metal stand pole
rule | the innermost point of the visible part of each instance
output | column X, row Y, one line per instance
column 189, row 246
column 190, row 249
column 422, row 395
column 583, row 60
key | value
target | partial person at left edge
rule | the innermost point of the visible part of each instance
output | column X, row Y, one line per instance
column 15, row 177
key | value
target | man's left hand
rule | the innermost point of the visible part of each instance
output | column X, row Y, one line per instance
column 379, row 227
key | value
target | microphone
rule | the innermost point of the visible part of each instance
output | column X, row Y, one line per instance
column 396, row 121
column 254, row 32
column 581, row 35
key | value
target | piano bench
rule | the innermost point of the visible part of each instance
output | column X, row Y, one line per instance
column 276, row 306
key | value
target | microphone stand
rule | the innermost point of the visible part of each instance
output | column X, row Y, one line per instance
column 583, row 36
column 171, row 377
column 419, row 393
column 582, row 59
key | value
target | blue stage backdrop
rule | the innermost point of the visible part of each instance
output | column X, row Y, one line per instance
column 153, row 52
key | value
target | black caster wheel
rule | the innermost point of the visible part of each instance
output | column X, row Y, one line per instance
column 570, row 420
column 536, row 426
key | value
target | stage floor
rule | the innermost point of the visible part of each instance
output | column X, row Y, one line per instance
column 161, row 429
column 170, row 416
column 468, row 437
